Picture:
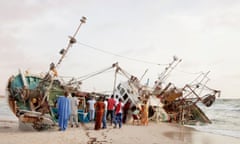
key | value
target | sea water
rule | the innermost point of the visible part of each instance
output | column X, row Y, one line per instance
column 225, row 117
column 5, row 112
column 224, row 114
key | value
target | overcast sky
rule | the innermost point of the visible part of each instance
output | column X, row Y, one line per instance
column 204, row 34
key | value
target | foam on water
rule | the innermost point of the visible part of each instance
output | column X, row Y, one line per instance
column 5, row 112
column 225, row 117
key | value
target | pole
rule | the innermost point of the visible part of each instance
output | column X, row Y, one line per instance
column 63, row 52
column 71, row 41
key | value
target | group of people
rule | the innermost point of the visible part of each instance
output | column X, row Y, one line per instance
column 67, row 110
column 116, row 112
column 104, row 108
column 99, row 110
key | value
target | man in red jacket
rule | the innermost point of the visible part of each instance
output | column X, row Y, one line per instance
column 110, row 108
column 118, row 112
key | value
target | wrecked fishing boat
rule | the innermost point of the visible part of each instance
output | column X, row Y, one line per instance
column 169, row 103
column 32, row 98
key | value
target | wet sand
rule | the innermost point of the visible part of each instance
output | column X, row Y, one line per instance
column 154, row 133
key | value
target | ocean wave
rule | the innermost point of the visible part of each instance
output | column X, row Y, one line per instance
column 225, row 117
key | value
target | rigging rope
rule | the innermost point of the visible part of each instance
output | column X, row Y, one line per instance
column 186, row 72
column 114, row 54
column 85, row 77
column 133, row 59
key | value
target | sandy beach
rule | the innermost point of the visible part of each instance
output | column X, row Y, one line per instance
column 154, row 133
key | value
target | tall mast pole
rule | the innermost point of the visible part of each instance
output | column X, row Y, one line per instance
column 63, row 52
column 71, row 41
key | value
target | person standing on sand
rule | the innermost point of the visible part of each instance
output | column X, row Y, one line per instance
column 100, row 106
column 144, row 113
column 110, row 109
column 64, row 111
column 116, row 100
column 118, row 112
column 125, row 110
column 74, row 110
column 91, row 104
column 104, row 119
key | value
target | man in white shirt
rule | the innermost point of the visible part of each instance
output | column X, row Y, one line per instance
column 104, row 120
column 91, row 108
column 74, row 109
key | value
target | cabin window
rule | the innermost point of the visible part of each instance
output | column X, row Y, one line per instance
column 128, row 90
column 30, row 80
column 125, row 96
column 122, row 91
column 119, row 86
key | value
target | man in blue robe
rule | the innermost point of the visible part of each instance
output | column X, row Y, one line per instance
column 64, row 111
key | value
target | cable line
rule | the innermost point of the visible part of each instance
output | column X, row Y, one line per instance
column 133, row 59
column 114, row 54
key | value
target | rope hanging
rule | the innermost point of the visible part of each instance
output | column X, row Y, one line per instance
column 114, row 54
column 85, row 77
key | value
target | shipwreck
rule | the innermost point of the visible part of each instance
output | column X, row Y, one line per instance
column 32, row 98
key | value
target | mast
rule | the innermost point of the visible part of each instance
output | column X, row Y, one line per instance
column 72, row 40
column 63, row 52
